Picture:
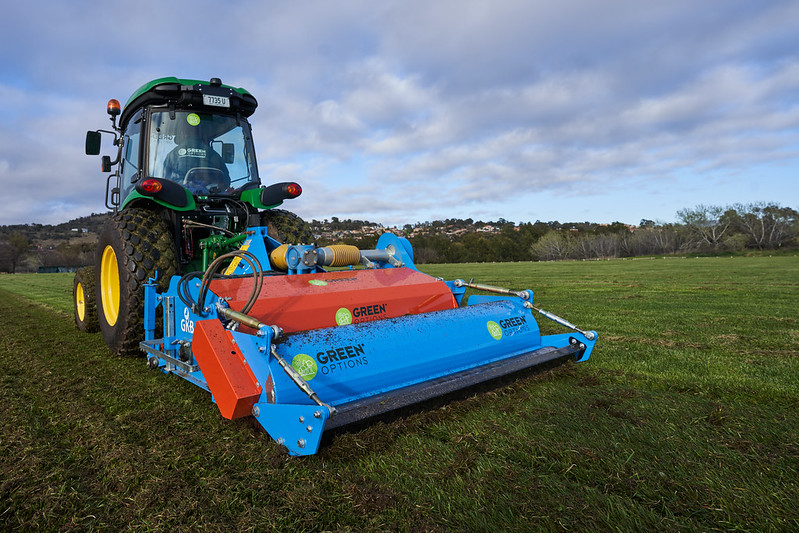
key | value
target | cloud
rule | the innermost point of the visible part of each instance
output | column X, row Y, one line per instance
column 404, row 110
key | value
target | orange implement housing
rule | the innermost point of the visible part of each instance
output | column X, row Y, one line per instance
column 314, row 301
column 229, row 378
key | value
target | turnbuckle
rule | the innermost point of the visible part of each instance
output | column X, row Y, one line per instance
column 525, row 295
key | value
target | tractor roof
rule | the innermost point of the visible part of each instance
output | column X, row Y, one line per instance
column 188, row 94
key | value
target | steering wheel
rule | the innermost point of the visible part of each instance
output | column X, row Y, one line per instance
column 205, row 180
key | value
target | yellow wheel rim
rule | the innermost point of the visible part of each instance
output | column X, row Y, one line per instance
column 80, row 302
column 109, row 285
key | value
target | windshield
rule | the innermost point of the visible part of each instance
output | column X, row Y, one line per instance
column 207, row 154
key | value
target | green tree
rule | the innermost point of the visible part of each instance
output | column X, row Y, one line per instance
column 16, row 247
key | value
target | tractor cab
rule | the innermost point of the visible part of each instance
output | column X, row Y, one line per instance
column 204, row 152
column 184, row 152
column 187, row 133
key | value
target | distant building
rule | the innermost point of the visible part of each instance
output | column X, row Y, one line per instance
column 56, row 269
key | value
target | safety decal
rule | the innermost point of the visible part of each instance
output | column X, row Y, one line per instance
column 317, row 282
column 233, row 264
column 193, row 119
column 305, row 365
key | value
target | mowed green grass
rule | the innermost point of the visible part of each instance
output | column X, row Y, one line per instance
column 685, row 418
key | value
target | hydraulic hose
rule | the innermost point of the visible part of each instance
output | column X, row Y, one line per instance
column 211, row 273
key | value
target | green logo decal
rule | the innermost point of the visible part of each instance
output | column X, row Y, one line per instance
column 193, row 119
column 317, row 282
column 343, row 317
column 494, row 329
column 305, row 365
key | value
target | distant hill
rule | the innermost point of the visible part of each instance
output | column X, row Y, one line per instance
column 706, row 229
column 40, row 233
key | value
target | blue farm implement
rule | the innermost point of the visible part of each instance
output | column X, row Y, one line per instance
column 304, row 350
column 282, row 332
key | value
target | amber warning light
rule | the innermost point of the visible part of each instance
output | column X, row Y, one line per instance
column 113, row 107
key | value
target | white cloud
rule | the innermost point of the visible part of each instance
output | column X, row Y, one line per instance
column 405, row 109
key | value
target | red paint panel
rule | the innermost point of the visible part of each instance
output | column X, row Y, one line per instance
column 313, row 301
column 229, row 378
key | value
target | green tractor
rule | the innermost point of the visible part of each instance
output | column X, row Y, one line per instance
column 183, row 188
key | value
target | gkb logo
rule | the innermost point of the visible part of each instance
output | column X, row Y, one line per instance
column 186, row 325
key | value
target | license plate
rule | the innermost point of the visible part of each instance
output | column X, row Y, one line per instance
column 216, row 101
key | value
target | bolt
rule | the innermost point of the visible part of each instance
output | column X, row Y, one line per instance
column 310, row 429
column 302, row 419
column 301, row 443
column 256, row 411
column 317, row 414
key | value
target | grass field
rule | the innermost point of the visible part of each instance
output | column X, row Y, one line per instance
column 685, row 418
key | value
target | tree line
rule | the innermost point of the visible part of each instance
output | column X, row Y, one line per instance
column 701, row 229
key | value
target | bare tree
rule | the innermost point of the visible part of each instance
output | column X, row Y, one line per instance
column 707, row 223
column 767, row 225
column 553, row 245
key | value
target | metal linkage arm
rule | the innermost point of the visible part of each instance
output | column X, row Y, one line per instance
column 525, row 295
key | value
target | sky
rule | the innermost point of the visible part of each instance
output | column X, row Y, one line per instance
column 401, row 112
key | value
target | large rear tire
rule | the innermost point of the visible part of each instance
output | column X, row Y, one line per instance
column 134, row 244
column 286, row 227
column 85, row 303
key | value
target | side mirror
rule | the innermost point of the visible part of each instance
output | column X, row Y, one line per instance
column 228, row 153
column 92, row 142
column 106, row 163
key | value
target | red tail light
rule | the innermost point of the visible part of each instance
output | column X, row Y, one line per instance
column 151, row 186
column 294, row 189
